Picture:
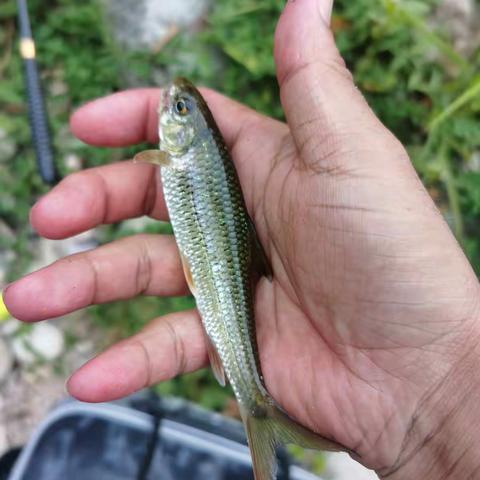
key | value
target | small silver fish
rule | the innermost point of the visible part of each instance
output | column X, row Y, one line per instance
column 219, row 250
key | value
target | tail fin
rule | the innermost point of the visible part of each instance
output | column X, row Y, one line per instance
column 267, row 428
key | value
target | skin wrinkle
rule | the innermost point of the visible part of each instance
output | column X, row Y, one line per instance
column 179, row 347
column 418, row 414
column 275, row 306
column 380, row 368
column 334, row 65
column 345, row 364
column 324, row 163
column 149, row 370
column 350, row 208
column 105, row 200
column 144, row 269
column 474, row 475
column 456, row 463
column 288, row 216
column 332, row 146
column 95, row 274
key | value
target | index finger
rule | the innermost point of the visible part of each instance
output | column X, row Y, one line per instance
column 131, row 116
column 115, row 192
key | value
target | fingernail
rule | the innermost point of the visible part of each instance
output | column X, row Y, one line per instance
column 325, row 8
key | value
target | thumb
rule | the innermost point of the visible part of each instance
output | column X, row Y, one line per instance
column 321, row 103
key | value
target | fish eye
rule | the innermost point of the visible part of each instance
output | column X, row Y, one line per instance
column 182, row 107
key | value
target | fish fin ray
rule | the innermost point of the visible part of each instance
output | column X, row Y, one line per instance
column 188, row 274
column 262, row 443
column 215, row 361
column 260, row 260
column 270, row 429
column 156, row 157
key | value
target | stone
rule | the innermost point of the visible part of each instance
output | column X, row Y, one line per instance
column 473, row 164
column 460, row 18
column 6, row 360
column 43, row 341
column 148, row 24
column 72, row 162
column 7, row 146
column 6, row 254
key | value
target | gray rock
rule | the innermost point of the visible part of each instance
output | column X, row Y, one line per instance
column 6, row 255
column 7, row 146
column 42, row 342
column 473, row 164
column 147, row 24
column 6, row 361
column 460, row 18
column 72, row 162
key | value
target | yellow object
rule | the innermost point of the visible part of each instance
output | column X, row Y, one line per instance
column 27, row 48
column 4, row 314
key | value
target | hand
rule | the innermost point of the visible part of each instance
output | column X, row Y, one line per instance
column 373, row 304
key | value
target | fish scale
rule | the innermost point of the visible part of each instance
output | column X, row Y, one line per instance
column 218, row 243
column 201, row 200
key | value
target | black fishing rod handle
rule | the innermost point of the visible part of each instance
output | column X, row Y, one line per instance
column 39, row 123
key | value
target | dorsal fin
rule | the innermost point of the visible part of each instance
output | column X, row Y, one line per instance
column 260, row 261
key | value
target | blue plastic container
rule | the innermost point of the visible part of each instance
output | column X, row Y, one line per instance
column 141, row 438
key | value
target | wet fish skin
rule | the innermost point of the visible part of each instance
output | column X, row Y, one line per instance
column 218, row 246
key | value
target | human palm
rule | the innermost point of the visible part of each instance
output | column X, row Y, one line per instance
column 359, row 322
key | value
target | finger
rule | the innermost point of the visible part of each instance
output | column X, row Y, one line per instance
column 169, row 346
column 323, row 107
column 325, row 9
column 249, row 135
column 99, row 195
column 131, row 117
column 143, row 264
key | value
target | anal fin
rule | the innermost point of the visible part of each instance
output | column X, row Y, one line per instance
column 215, row 361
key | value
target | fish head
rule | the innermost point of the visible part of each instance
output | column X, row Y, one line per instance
column 181, row 117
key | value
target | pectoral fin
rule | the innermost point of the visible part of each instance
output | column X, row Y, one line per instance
column 260, row 261
column 215, row 362
column 157, row 157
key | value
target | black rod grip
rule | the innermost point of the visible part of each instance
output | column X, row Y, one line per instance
column 39, row 123
column 23, row 20
column 36, row 107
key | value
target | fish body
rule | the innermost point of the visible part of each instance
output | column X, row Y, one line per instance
column 219, row 250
